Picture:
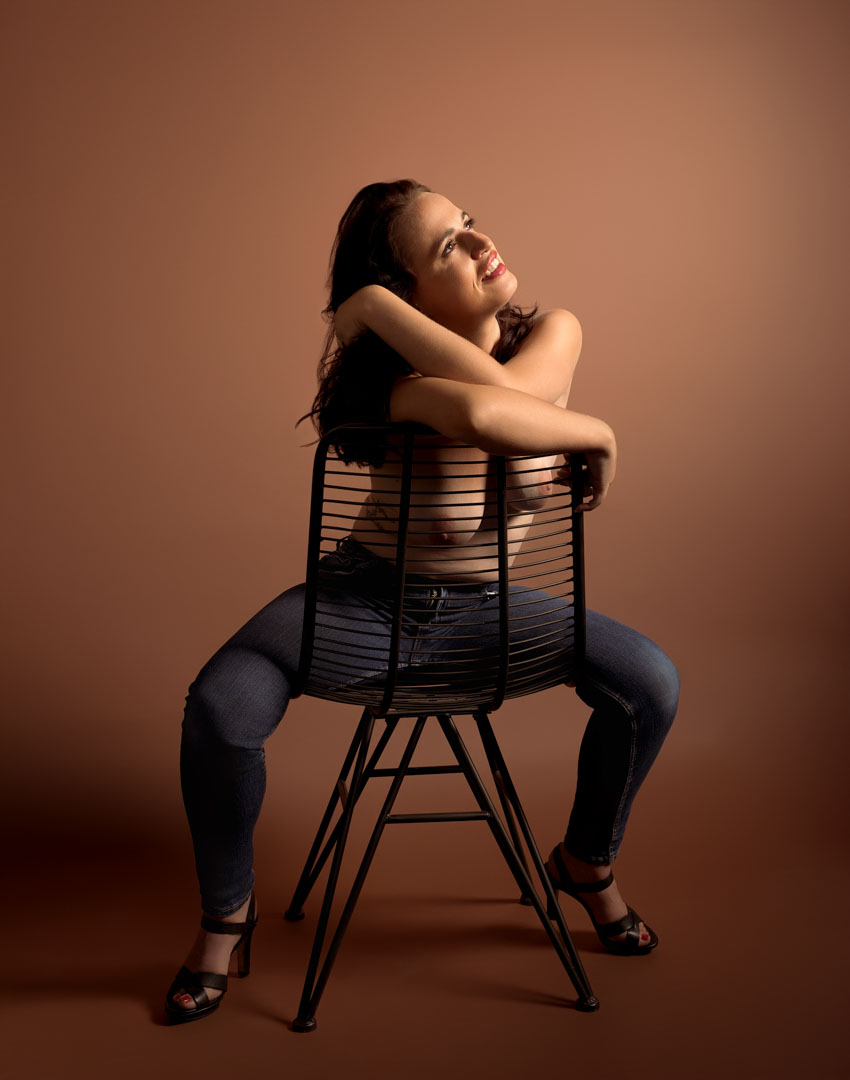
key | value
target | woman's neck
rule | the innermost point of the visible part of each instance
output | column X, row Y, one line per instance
column 485, row 335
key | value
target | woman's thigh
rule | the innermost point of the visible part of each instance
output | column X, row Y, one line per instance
column 241, row 693
column 467, row 630
column 620, row 663
column 625, row 665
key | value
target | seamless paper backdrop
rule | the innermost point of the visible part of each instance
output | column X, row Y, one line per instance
column 674, row 173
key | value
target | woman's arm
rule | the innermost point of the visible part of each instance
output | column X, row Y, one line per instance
column 504, row 421
column 542, row 366
column 545, row 362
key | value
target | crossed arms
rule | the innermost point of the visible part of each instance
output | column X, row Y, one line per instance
column 464, row 393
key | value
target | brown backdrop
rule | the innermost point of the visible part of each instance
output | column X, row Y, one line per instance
column 675, row 173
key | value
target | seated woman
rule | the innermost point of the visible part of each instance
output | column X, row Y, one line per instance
column 424, row 330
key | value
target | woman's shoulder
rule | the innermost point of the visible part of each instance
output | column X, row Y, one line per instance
column 554, row 329
column 558, row 316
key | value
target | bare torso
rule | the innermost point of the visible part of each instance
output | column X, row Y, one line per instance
column 452, row 532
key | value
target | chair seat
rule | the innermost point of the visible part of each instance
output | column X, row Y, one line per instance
column 428, row 687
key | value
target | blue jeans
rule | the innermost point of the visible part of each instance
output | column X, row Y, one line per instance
column 242, row 692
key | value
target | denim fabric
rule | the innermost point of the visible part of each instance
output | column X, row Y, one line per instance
column 241, row 694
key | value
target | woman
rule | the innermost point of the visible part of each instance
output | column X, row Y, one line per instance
column 425, row 332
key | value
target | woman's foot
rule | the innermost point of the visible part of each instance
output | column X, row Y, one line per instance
column 606, row 906
column 211, row 952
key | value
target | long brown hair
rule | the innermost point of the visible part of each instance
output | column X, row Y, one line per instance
column 355, row 380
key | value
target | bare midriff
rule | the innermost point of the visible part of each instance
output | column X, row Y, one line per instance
column 453, row 527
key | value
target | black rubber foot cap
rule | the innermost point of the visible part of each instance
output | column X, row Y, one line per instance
column 293, row 916
column 303, row 1025
column 589, row 1004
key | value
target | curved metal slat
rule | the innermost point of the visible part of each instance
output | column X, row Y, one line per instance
column 409, row 655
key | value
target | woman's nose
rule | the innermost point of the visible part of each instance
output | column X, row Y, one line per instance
column 479, row 243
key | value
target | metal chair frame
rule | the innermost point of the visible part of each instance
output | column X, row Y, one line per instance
column 360, row 765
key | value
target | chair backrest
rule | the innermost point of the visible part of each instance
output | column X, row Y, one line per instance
column 463, row 584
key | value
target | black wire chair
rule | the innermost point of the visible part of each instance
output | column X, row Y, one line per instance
column 408, row 615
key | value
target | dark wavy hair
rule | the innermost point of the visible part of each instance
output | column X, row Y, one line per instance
column 355, row 380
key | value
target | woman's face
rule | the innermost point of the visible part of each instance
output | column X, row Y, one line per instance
column 461, row 281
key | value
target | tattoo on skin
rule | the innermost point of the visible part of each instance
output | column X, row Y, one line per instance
column 375, row 512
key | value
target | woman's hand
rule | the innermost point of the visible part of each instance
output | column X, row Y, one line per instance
column 598, row 468
column 348, row 319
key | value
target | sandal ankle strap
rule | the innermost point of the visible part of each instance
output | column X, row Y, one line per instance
column 568, row 885
column 216, row 926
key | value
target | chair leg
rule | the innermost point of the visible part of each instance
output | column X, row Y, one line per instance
column 509, row 819
column 316, row 980
column 342, row 792
column 305, row 1020
column 498, row 764
column 561, row 942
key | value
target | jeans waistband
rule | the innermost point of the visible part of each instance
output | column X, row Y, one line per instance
column 353, row 558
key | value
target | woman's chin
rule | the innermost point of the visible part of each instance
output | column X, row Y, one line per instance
column 507, row 284
column 503, row 289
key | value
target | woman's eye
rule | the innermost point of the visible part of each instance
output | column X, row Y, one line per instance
column 451, row 244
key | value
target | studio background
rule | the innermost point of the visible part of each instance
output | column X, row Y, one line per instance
column 673, row 173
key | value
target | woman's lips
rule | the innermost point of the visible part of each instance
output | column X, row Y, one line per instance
column 500, row 269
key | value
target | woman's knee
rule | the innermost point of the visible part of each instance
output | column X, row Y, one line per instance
column 236, row 701
column 661, row 685
column 629, row 666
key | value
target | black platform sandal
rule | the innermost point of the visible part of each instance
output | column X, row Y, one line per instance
column 629, row 924
column 193, row 982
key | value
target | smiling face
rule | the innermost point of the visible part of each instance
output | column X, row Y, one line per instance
column 461, row 281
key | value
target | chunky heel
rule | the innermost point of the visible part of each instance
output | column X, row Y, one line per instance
column 193, row 983
column 243, row 954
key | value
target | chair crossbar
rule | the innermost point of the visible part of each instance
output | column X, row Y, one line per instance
column 510, row 834
column 455, row 815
